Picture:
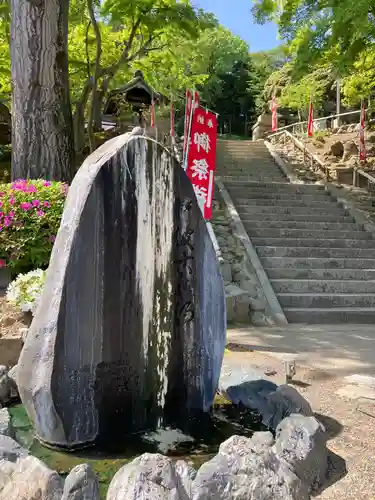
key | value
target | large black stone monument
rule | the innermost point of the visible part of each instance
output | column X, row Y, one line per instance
column 130, row 331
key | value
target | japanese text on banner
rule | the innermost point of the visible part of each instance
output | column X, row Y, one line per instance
column 202, row 158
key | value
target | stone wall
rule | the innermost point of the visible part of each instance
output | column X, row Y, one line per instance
column 245, row 299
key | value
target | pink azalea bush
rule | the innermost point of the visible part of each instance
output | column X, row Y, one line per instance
column 30, row 214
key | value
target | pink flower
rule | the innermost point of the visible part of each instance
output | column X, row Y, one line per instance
column 11, row 201
column 40, row 213
column 7, row 221
column 47, row 183
column 35, row 203
column 2, row 263
column 47, row 204
column 11, row 214
column 26, row 206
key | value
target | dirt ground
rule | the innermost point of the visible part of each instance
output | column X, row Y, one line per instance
column 11, row 321
column 350, row 425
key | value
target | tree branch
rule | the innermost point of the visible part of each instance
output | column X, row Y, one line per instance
column 98, row 37
column 87, row 50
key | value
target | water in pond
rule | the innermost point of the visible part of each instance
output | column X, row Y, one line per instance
column 198, row 441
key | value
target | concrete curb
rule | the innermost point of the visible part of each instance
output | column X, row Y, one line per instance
column 274, row 305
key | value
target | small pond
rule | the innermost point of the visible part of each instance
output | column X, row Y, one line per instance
column 198, row 441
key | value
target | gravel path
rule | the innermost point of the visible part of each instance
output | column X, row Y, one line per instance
column 350, row 424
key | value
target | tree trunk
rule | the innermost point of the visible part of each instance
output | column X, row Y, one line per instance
column 97, row 111
column 42, row 133
column 98, row 39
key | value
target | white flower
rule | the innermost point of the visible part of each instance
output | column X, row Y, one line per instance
column 25, row 291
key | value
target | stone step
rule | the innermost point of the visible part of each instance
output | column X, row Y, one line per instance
column 328, row 243
column 320, row 274
column 276, row 187
column 317, row 263
column 289, row 225
column 327, row 316
column 309, row 252
column 293, row 219
column 264, row 233
column 254, row 195
column 323, row 286
column 244, row 178
column 269, row 209
column 326, row 300
column 325, row 203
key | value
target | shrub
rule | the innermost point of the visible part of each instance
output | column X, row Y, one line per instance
column 30, row 214
column 25, row 291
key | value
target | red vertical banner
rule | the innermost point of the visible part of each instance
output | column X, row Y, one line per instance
column 153, row 113
column 274, row 113
column 310, row 124
column 362, row 145
column 188, row 110
column 172, row 118
column 202, row 158
column 197, row 101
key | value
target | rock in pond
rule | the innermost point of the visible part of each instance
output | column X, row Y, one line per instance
column 150, row 477
column 81, row 484
column 6, row 428
column 130, row 331
column 301, row 442
column 30, row 479
column 242, row 473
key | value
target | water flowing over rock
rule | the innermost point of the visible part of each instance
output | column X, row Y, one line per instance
column 130, row 331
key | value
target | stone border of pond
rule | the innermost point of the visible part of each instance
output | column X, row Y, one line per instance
column 288, row 462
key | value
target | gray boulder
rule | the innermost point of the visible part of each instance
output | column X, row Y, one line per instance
column 12, row 374
column 260, row 442
column 239, row 473
column 282, row 403
column 6, row 428
column 10, row 450
column 301, row 443
column 81, row 484
column 150, row 477
column 187, row 475
column 350, row 149
column 5, row 385
column 32, row 480
column 337, row 149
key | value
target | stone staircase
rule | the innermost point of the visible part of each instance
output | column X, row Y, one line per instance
column 320, row 262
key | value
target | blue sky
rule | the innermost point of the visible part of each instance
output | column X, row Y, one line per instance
column 236, row 15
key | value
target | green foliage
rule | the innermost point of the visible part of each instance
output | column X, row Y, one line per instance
column 296, row 94
column 317, row 27
column 360, row 84
column 30, row 216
